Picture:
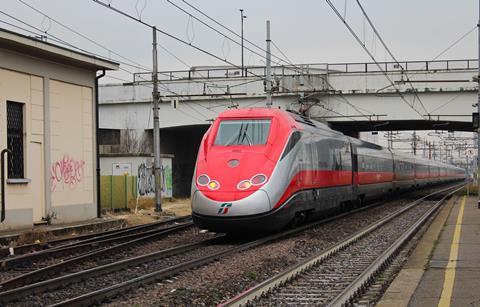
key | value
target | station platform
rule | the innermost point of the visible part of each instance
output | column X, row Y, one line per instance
column 444, row 268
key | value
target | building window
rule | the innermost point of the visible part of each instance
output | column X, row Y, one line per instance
column 15, row 139
column 109, row 137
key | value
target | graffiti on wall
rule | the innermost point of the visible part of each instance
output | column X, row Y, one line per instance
column 145, row 180
column 66, row 172
column 167, row 178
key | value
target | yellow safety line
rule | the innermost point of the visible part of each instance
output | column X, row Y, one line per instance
column 447, row 291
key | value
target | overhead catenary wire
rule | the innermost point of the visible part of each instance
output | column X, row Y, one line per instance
column 456, row 42
column 80, row 34
column 182, row 41
column 220, row 33
column 55, row 38
column 354, row 34
column 296, row 68
column 415, row 92
column 18, row 27
column 343, row 98
column 59, row 40
column 136, row 65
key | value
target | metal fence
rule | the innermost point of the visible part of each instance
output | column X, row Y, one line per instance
column 118, row 192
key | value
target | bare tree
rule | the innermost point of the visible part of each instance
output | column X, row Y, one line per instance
column 131, row 141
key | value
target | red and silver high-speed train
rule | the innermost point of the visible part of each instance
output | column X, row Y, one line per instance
column 259, row 169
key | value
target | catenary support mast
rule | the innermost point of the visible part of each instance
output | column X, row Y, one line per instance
column 268, row 79
column 156, row 128
column 478, row 110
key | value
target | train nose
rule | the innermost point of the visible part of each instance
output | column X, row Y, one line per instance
column 255, row 203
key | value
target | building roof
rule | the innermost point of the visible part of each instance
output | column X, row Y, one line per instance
column 34, row 47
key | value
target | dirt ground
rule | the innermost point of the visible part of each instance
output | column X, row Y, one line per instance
column 144, row 211
column 141, row 212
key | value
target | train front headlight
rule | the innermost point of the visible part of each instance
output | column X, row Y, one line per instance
column 203, row 180
column 244, row 184
column 258, row 179
column 213, row 185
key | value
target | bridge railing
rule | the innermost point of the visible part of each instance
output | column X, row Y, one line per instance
column 202, row 73
column 467, row 64
column 232, row 72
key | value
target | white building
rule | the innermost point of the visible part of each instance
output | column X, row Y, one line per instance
column 47, row 121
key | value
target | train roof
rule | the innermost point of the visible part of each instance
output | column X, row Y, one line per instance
column 272, row 112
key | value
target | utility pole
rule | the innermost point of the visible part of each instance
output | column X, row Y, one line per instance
column 478, row 110
column 156, row 128
column 268, row 79
column 468, row 185
column 389, row 139
column 242, row 17
column 414, row 143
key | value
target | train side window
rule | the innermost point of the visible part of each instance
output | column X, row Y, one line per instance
column 337, row 157
column 346, row 157
column 294, row 138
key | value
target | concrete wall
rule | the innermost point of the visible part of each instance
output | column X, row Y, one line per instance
column 58, row 140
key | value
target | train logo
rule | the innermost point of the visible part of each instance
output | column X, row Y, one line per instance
column 224, row 208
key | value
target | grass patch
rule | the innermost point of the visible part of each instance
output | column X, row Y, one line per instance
column 472, row 190
column 252, row 275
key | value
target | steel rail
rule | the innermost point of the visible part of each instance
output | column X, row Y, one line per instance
column 98, row 296
column 62, row 250
column 40, row 274
column 63, row 281
column 278, row 280
column 91, row 237
column 364, row 280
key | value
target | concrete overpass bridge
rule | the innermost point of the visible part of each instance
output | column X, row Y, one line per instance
column 413, row 95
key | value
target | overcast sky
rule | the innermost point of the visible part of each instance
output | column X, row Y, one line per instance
column 307, row 31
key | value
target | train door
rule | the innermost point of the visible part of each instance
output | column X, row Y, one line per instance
column 314, row 162
column 353, row 151
column 302, row 161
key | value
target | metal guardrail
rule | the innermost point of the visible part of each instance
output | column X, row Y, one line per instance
column 309, row 69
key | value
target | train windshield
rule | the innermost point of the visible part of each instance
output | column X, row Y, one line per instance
column 243, row 132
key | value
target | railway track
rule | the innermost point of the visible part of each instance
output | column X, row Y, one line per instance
column 37, row 266
column 87, row 238
column 338, row 275
column 100, row 282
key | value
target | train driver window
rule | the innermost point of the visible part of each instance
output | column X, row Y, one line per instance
column 243, row 132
